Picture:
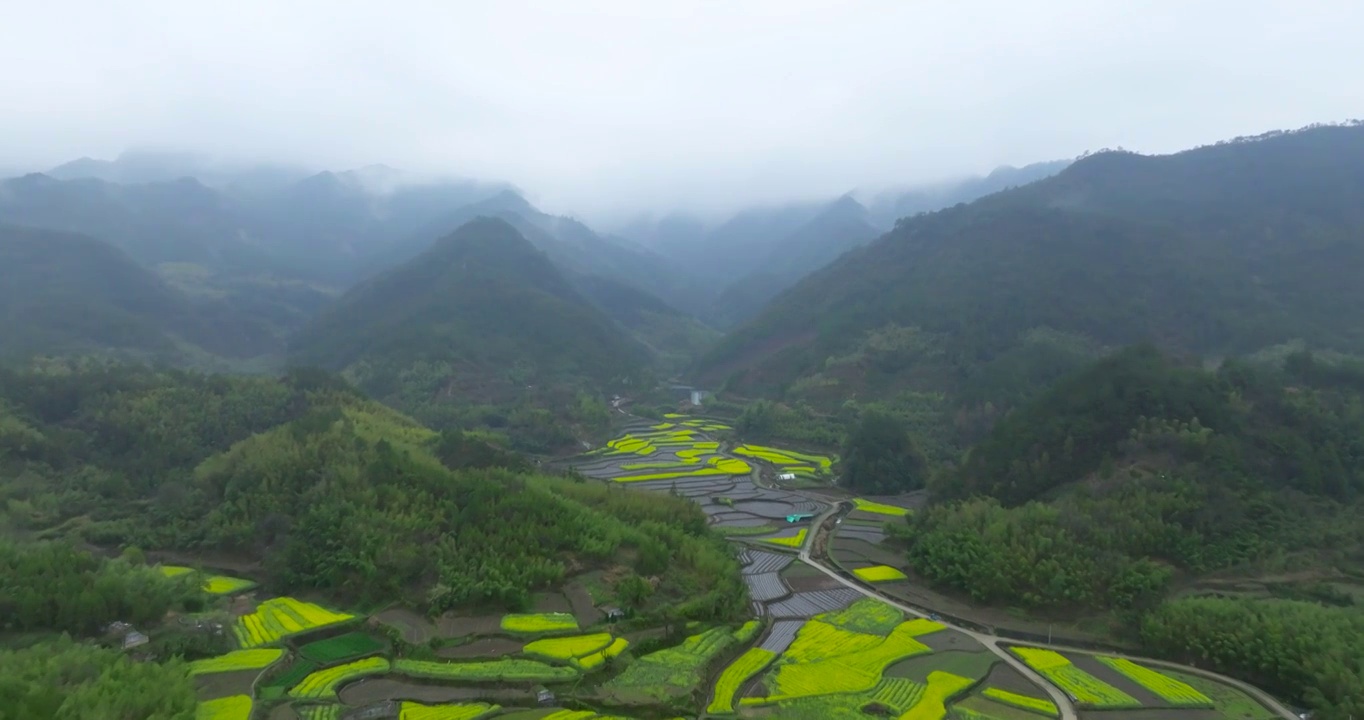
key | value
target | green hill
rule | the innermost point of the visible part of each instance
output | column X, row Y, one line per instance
column 67, row 293
column 481, row 318
column 330, row 492
column 1219, row 250
column 1144, row 478
column 675, row 337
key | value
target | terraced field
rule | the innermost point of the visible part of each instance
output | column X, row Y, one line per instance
column 819, row 648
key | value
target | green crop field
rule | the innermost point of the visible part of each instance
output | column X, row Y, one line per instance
column 794, row 541
column 1085, row 688
column 714, row 466
column 1169, row 689
column 739, row 672
column 672, row 671
column 275, row 687
column 236, row 660
column 825, row 659
column 504, row 670
column 784, row 458
column 281, row 617
column 235, row 707
column 212, row 584
column 879, row 573
column 460, row 711
column 322, row 684
column 568, row 648
column 342, row 647
column 539, row 623
column 319, row 712
column 1025, row 702
column 879, row 508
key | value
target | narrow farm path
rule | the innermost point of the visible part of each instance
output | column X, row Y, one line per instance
column 1059, row 698
column 995, row 643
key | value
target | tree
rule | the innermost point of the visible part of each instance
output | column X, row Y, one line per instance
column 880, row 456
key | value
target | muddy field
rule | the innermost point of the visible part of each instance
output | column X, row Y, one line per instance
column 481, row 648
column 413, row 627
column 372, row 690
column 217, row 685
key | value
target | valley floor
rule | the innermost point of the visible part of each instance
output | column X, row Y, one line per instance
column 839, row 631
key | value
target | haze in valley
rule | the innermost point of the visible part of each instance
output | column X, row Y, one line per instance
column 608, row 109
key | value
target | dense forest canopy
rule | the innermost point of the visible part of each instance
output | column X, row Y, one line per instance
column 1227, row 249
column 329, row 491
column 67, row 293
column 481, row 319
column 1142, row 474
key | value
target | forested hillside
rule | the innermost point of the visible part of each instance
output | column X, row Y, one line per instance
column 1223, row 249
column 674, row 337
column 840, row 226
column 1143, row 476
column 480, row 319
column 324, row 490
column 67, row 293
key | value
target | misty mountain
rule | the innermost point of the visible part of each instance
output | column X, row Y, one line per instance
column 570, row 245
column 482, row 316
column 674, row 336
column 324, row 227
column 137, row 167
column 840, row 226
column 338, row 222
column 733, row 249
column 174, row 221
column 889, row 207
column 1225, row 249
column 67, row 293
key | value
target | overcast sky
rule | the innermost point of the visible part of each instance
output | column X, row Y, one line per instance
column 604, row 107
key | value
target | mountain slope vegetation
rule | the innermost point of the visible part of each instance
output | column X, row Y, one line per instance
column 1220, row 250
column 839, row 227
column 673, row 336
column 67, row 293
column 326, row 490
column 1142, row 476
column 482, row 317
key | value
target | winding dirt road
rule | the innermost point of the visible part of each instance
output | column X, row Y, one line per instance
column 1062, row 701
column 1059, row 698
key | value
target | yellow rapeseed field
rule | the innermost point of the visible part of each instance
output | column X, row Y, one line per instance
column 879, row 573
column 281, row 617
column 236, row 660
column 234, row 707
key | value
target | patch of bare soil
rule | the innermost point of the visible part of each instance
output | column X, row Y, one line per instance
column 457, row 626
column 377, row 689
column 482, row 648
column 915, row 591
column 807, row 583
column 1091, row 665
column 1149, row 714
column 415, row 629
column 216, row 685
column 1004, row 677
column 534, row 714
column 799, row 569
column 868, row 551
column 551, row 602
column 649, row 634
column 283, row 712
column 581, row 602
column 951, row 641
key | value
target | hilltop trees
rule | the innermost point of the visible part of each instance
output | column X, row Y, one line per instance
column 880, row 457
